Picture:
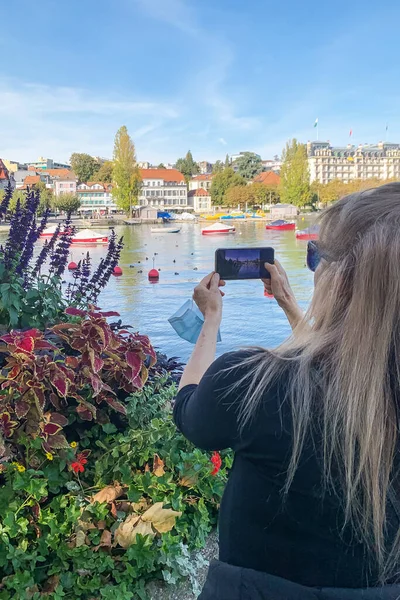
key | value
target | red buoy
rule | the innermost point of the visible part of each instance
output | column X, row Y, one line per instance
column 268, row 295
column 117, row 270
column 154, row 275
column 72, row 266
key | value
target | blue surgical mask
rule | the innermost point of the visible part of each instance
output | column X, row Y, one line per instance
column 188, row 321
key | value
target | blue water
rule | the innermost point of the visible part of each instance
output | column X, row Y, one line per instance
column 248, row 317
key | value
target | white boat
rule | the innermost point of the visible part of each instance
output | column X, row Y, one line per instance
column 217, row 229
column 50, row 231
column 88, row 236
column 165, row 230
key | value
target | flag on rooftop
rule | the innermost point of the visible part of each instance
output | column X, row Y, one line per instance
column 316, row 122
column 350, row 133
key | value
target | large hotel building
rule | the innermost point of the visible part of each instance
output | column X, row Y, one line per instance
column 326, row 162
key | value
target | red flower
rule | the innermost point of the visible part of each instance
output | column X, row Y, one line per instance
column 81, row 460
column 217, row 462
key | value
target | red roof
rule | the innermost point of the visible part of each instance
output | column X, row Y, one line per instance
column 198, row 192
column 31, row 179
column 59, row 172
column 172, row 175
column 268, row 178
column 105, row 186
column 207, row 177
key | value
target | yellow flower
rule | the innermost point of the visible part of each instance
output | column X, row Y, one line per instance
column 19, row 467
column 49, row 456
column 73, row 444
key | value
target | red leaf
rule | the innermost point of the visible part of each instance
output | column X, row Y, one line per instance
column 21, row 408
column 110, row 313
column 12, row 374
column 85, row 413
column 43, row 345
column 72, row 361
column 34, row 333
column 97, row 384
column 135, row 362
column 83, row 455
column 97, row 364
column 59, row 419
column 51, row 428
column 116, row 405
column 27, row 344
column 57, row 442
column 61, row 385
column 75, row 312
column 55, row 401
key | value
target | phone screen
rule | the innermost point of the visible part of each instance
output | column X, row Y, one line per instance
column 243, row 263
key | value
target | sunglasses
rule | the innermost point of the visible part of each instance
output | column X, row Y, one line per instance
column 313, row 256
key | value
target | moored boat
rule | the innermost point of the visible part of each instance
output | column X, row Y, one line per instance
column 218, row 228
column 50, row 231
column 281, row 225
column 165, row 230
column 88, row 236
column 310, row 233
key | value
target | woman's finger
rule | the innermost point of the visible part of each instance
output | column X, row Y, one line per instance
column 206, row 280
column 214, row 283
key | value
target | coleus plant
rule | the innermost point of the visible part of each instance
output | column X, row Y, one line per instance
column 41, row 382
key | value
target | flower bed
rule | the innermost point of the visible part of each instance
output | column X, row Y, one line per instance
column 98, row 491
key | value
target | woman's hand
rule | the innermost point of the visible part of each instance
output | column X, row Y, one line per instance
column 279, row 287
column 208, row 296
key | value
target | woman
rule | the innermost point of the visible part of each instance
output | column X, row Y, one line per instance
column 311, row 506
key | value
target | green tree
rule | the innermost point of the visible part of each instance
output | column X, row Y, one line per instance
column 295, row 176
column 249, row 165
column 161, row 166
column 105, row 173
column 17, row 195
column 218, row 167
column 236, row 195
column 67, row 203
column 46, row 197
column 84, row 166
column 125, row 174
column 227, row 163
column 222, row 182
column 187, row 166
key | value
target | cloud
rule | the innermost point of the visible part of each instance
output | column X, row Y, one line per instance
column 222, row 141
column 176, row 13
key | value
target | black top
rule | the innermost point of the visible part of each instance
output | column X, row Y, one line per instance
column 300, row 539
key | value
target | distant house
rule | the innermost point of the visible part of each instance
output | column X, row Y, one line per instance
column 205, row 167
column 64, row 185
column 5, row 176
column 163, row 188
column 201, row 181
column 267, row 178
column 283, row 211
column 95, row 197
column 22, row 175
column 47, row 163
column 200, row 200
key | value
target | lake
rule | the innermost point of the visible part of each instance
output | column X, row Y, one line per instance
column 248, row 318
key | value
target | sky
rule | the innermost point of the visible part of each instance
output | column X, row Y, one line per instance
column 212, row 76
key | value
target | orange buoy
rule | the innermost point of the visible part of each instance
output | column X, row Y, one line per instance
column 117, row 270
column 154, row 275
column 72, row 266
column 268, row 295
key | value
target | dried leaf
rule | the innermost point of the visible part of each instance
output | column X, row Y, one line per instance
column 50, row 585
column 80, row 539
column 140, row 506
column 105, row 540
column 158, row 466
column 125, row 534
column 162, row 519
column 109, row 493
column 189, row 480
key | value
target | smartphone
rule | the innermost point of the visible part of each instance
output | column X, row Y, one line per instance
column 243, row 263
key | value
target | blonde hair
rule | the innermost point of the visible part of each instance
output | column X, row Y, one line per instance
column 345, row 363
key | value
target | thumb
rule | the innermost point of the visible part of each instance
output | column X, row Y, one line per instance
column 272, row 270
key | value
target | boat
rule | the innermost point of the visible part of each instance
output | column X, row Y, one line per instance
column 88, row 236
column 217, row 229
column 311, row 233
column 234, row 215
column 165, row 230
column 50, row 231
column 281, row 225
column 215, row 217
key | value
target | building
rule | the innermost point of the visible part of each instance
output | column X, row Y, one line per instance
column 64, row 185
column 200, row 181
column 13, row 165
column 96, row 197
column 267, row 178
column 163, row 187
column 326, row 162
column 200, row 200
column 24, row 177
column 282, row 211
column 47, row 163
column 205, row 167
column 144, row 165
column 272, row 164
column 5, row 177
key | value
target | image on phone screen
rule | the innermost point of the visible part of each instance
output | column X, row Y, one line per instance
column 243, row 263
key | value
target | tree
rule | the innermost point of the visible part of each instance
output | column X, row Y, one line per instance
column 69, row 203
column 249, row 165
column 236, row 195
column 161, row 166
column 124, row 174
column 84, row 166
column 187, row 166
column 222, row 182
column 295, row 176
column 46, row 197
column 105, row 173
column 227, row 162
column 218, row 167
column 17, row 195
